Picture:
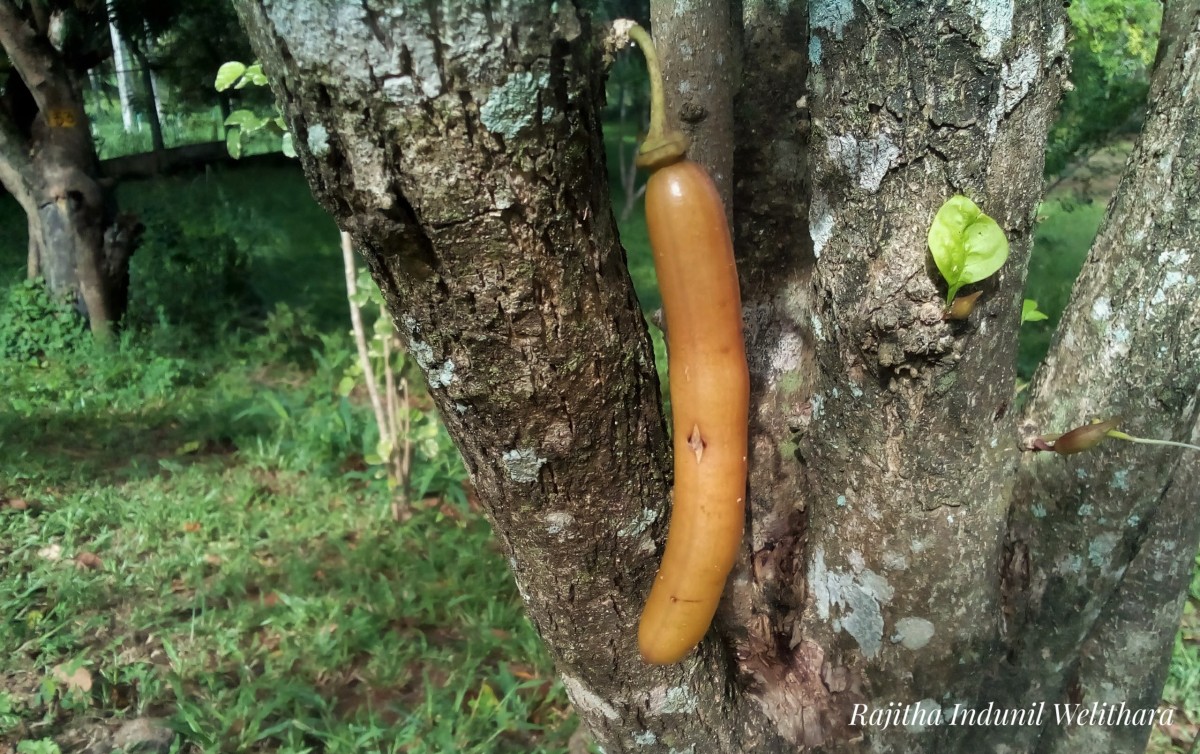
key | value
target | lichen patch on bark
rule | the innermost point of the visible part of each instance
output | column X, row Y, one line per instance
column 523, row 464
column 512, row 107
column 852, row 599
column 995, row 18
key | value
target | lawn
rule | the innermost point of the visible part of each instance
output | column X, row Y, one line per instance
column 192, row 535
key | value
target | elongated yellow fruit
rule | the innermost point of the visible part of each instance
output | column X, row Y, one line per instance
column 710, row 385
column 693, row 256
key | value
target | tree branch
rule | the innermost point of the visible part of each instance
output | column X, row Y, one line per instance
column 40, row 66
column 30, row 54
column 695, row 48
column 1127, row 653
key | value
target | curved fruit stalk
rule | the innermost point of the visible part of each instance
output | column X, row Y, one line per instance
column 710, row 387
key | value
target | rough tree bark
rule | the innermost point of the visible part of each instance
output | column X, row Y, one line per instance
column 1100, row 547
column 904, row 439
column 459, row 144
column 78, row 241
column 461, row 148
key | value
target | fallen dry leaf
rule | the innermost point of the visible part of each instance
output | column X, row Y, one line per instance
column 18, row 504
column 51, row 552
column 77, row 681
column 212, row 559
column 191, row 527
column 89, row 561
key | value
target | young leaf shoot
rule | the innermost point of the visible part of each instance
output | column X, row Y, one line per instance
column 1031, row 313
column 967, row 245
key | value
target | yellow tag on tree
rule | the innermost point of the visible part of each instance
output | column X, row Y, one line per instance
column 61, row 119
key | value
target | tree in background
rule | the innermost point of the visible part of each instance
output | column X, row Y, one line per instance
column 1111, row 56
column 191, row 39
column 901, row 548
column 78, row 241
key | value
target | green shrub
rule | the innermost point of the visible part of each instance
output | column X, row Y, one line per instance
column 191, row 275
column 33, row 326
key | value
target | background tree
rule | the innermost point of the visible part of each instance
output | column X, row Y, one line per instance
column 900, row 547
column 78, row 240
column 1111, row 55
column 192, row 38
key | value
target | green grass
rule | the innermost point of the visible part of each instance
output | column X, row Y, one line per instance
column 261, row 608
column 251, row 580
column 189, row 518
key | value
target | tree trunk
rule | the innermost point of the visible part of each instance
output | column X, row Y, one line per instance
column 148, row 90
column 1100, row 546
column 461, row 149
column 82, row 245
column 121, row 71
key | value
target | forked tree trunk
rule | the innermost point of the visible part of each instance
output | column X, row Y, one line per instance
column 78, row 242
column 1100, row 547
column 460, row 145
